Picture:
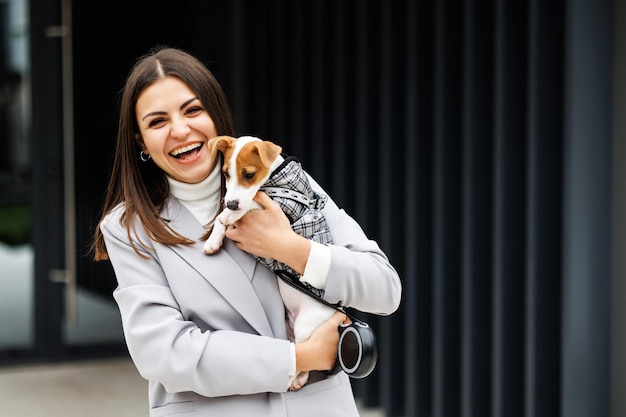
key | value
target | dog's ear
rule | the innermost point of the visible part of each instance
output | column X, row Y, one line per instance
column 268, row 151
column 221, row 143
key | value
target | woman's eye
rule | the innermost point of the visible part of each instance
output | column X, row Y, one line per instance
column 194, row 110
column 156, row 122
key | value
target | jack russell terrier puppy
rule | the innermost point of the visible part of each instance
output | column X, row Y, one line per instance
column 251, row 164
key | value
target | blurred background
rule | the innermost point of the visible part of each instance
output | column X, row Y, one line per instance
column 482, row 143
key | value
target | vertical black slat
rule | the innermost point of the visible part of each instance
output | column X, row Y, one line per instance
column 391, row 200
column 446, row 203
column 46, row 136
column 587, row 216
column 410, row 371
column 369, row 161
column 259, row 52
column 361, row 100
column 509, row 204
column 318, row 94
column 279, row 76
column 618, row 246
column 214, row 50
column 477, row 209
column 384, row 136
column 349, row 134
column 399, row 196
column 329, row 103
column 545, row 143
column 237, row 76
column 336, row 134
column 373, row 392
column 368, row 390
column 417, row 288
column 373, row 120
column 298, row 110
column 381, row 141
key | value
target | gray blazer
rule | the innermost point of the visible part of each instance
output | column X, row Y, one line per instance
column 208, row 332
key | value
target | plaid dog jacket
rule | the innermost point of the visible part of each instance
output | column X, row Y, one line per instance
column 289, row 186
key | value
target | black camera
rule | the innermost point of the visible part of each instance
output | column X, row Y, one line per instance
column 357, row 353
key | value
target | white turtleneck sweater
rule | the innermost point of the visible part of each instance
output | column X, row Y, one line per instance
column 203, row 198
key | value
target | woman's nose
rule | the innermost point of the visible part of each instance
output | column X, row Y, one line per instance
column 180, row 128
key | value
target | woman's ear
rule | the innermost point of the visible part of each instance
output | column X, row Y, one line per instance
column 140, row 141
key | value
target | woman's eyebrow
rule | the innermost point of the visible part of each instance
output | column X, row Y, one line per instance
column 159, row 113
column 186, row 103
column 154, row 113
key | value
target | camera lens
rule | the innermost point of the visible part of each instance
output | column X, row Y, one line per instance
column 357, row 349
column 350, row 349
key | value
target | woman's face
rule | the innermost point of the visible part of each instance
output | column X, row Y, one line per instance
column 175, row 128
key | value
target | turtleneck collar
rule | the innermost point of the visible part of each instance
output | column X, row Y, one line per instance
column 202, row 198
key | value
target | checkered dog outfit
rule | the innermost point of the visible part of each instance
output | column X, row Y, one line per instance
column 289, row 186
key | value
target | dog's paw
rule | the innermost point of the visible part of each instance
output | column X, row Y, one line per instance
column 211, row 246
column 215, row 240
column 299, row 380
column 210, row 249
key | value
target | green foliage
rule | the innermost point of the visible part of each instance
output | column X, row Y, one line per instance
column 15, row 223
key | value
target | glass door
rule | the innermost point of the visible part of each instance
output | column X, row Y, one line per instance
column 54, row 304
column 92, row 323
column 16, row 249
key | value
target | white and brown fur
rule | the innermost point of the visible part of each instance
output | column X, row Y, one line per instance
column 248, row 163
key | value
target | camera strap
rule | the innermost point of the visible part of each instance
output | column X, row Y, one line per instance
column 357, row 353
column 293, row 281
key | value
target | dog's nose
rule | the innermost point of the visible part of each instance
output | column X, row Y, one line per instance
column 232, row 204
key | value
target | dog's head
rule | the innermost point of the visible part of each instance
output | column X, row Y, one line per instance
column 247, row 166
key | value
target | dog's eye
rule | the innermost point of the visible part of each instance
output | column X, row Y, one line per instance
column 226, row 174
column 248, row 175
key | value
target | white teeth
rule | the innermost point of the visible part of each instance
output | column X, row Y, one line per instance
column 185, row 149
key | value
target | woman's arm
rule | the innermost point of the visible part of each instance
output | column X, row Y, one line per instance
column 359, row 275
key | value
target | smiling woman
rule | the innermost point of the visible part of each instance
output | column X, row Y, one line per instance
column 210, row 332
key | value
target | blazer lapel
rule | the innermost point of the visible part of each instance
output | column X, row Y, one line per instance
column 230, row 270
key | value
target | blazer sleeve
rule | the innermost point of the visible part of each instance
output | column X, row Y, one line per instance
column 173, row 350
column 360, row 274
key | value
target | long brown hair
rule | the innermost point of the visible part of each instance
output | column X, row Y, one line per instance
column 142, row 186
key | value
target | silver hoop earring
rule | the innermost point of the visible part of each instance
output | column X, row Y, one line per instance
column 144, row 157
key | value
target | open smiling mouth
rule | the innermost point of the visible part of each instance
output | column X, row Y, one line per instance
column 186, row 152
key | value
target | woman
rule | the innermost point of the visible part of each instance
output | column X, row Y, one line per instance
column 208, row 332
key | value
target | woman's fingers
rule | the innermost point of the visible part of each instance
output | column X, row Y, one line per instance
column 264, row 200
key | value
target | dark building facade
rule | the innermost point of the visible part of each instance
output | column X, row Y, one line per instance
column 479, row 142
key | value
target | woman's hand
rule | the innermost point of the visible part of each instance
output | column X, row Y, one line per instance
column 319, row 352
column 267, row 233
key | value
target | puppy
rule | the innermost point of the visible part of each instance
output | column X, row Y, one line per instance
column 250, row 165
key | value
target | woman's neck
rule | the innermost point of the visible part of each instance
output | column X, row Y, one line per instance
column 202, row 198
